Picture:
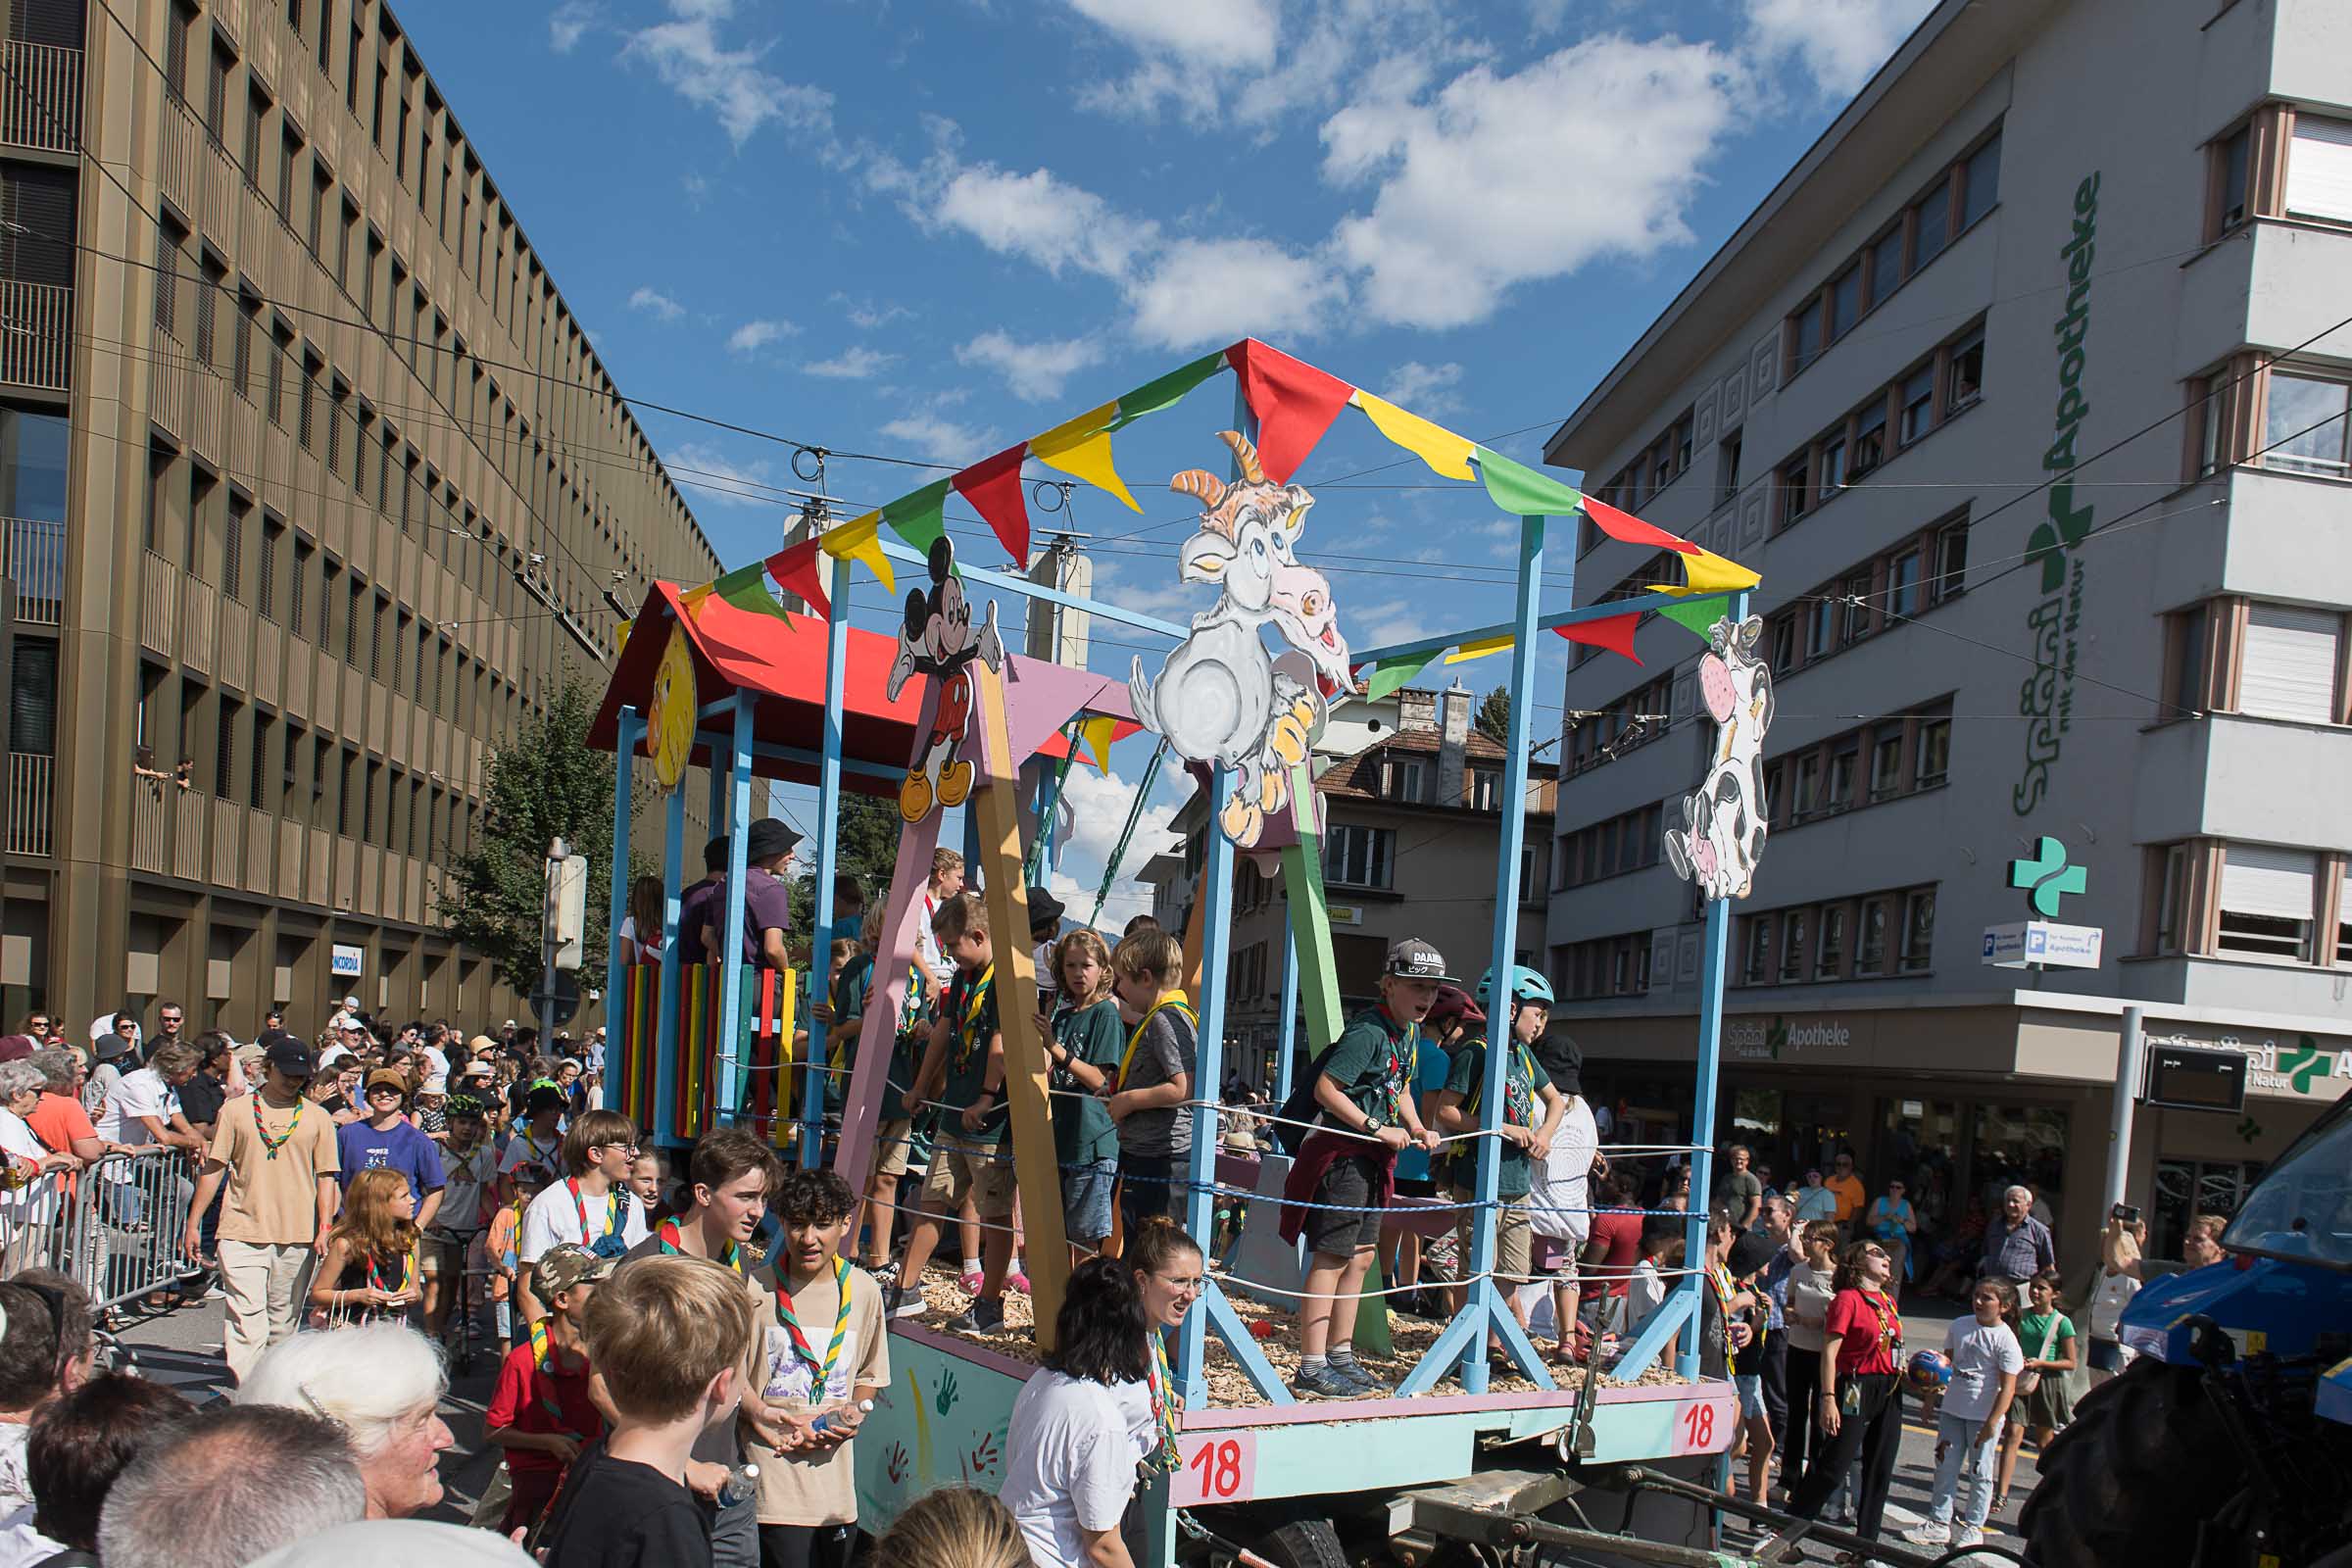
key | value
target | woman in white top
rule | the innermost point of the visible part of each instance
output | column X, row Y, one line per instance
column 1811, row 1288
column 641, row 927
column 1101, row 1407
column 2110, row 1289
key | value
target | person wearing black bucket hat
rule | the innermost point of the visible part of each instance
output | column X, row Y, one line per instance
column 1045, row 927
column 768, row 846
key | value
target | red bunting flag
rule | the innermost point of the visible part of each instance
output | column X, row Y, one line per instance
column 1631, row 530
column 1294, row 404
column 1615, row 633
column 992, row 486
column 795, row 573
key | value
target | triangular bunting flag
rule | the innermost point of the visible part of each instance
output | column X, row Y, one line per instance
column 1167, row 391
column 692, row 599
column 620, row 635
column 1698, row 619
column 1523, row 492
column 1614, row 633
column 920, row 517
column 1466, row 651
column 795, row 573
column 1708, row 569
column 745, row 588
column 1631, row 530
column 1447, row 453
column 1391, row 674
column 1096, row 732
column 1081, row 449
column 1294, row 404
column 861, row 541
column 992, row 486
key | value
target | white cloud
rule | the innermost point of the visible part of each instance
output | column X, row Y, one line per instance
column 1391, row 620
column 656, row 304
column 943, row 440
column 1424, row 388
column 1234, row 33
column 719, row 478
column 1202, row 291
column 568, row 22
column 686, row 53
column 1153, row 590
column 1098, row 807
column 1841, row 43
column 1041, row 217
column 753, row 336
column 1035, row 371
column 856, row 364
column 867, row 317
column 1494, row 181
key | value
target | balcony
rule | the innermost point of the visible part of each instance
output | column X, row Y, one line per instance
column 36, row 334
column 31, row 784
column 40, row 97
column 33, row 556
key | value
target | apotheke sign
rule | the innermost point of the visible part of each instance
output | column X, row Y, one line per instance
column 1772, row 1040
column 2300, row 1070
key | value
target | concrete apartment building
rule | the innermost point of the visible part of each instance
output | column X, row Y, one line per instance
column 2042, row 231
column 314, row 487
column 1412, row 811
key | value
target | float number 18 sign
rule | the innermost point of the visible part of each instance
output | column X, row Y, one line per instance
column 1217, row 1467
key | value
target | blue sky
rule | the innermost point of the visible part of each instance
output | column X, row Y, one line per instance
column 926, row 231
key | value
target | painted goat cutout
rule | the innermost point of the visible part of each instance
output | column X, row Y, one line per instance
column 1220, row 698
column 937, row 640
column 1724, row 838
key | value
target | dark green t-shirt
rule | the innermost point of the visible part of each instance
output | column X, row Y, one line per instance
column 850, row 989
column 1521, row 1107
column 1371, row 1061
column 970, row 1009
column 1083, row 1131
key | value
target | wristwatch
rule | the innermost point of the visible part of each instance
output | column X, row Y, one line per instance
column 1372, row 1126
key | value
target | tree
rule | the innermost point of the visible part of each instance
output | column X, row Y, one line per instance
column 546, row 784
column 866, row 849
column 1494, row 718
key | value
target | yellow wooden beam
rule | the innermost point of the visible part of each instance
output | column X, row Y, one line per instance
column 997, row 802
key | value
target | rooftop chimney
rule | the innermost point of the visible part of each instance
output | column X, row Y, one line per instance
column 1453, row 735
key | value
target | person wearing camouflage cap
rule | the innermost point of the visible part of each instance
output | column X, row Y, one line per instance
column 468, row 1168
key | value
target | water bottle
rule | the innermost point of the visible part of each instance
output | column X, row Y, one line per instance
column 741, row 1485
column 824, row 1423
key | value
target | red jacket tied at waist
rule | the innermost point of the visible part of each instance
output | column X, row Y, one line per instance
column 1321, row 1150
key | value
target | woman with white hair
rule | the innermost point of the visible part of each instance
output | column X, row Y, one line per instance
column 20, row 1085
column 380, row 1381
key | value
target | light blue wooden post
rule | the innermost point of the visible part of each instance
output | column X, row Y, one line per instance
column 1712, row 963
column 1290, row 1012
column 1208, row 1057
column 729, row 1062
column 666, row 1036
column 627, row 730
column 828, row 854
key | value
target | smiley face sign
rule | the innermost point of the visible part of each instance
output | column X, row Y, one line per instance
column 670, row 717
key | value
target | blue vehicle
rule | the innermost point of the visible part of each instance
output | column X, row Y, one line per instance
column 2228, row 1442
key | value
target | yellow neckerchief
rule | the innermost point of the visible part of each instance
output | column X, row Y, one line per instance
column 974, row 1001
column 1167, row 998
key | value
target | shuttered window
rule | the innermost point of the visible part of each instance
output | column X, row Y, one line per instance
column 2267, row 898
column 32, row 697
column 36, row 241
column 2319, row 170
column 2289, row 666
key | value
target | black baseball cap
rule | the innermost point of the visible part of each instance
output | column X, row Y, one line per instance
column 288, row 1054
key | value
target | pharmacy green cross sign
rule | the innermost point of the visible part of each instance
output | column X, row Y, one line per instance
column 2046, row 875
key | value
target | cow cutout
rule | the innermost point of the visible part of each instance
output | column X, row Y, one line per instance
column 1723, row 836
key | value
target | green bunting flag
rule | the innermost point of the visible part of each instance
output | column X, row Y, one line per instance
column 1391, row 674
column 1523, row 492
column 1699, row 619
column 745, row 588
column 920, row 516
column 1167, row 390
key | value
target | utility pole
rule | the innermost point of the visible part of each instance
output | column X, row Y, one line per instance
column 562, row 928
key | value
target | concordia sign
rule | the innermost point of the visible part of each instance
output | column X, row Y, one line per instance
column 2046, row 699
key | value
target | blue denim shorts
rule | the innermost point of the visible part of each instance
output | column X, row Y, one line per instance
column 1086, row 1201
column 1750, row 1387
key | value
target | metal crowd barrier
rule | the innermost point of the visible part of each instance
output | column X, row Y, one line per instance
column 113, row 1227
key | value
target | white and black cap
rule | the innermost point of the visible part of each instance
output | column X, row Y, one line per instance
column 1415, row 959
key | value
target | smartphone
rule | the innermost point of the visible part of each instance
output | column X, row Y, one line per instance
column 2129, row 1213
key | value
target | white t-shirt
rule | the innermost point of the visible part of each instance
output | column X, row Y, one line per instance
column 1072, row 1454
column 1981, row 1352
column 16, row 1486
column 20, row 1545
column 136, row 1093
column 1560, row 1195
column 463, row 1177
column 1644, row 1294
column 927, row 949
column 555, row 1215
column 2108, row 1298
column 520, row 1151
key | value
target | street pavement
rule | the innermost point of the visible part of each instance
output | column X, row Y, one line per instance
column 183, row 1349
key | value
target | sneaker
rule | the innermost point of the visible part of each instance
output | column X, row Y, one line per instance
column 971, row 1281
column 1966, row 1535
column 1929, row 1532
column 983, row 1316
column 1017, row 1283
column 904, row 1302
column 1365, row 1379
column 1324, row 1383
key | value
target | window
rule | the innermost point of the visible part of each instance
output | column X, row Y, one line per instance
column 1840, row 792
column 281, row 365
column 2171, row 894
column 2216, row 414
column 1829, row 960
column 1902, row 584
column 1918, row 929
column 1935, row 214
column 176, row 28
column 1870, row 957
column 1980, row 182
column 2230, row 157
column 1727, row 467
column 1965, row 380
column 1917, row 395
column 265, row 589
column 2319, row 170
column 1846, row 302
column 232, row 550
column 1952, row 562
column 1833, row 466
column 215, row 97
column 1759, row 949
column 298, row 591
column 1805, row 344
column 2267, row 900
column 2304, row 428
column 1783, row 641
column 1486, row 788
column 1934, row 757
column 2287, row 667
column 290, row 148
column 1359, row 857
column 323, row 192
column 1821, row 629
column 1796, row 488
column 2344, row 917
column 32, row 699
column 1887, row 263
column 1794, row 947
column 1870, row 437
column 169, row 238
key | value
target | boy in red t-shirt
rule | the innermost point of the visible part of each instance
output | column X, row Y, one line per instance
column 541, row 1413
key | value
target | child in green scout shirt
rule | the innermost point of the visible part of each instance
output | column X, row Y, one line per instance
column 1532, row 1108
column 963, row 1066
column 1083, row 1044
column 1366, row 1115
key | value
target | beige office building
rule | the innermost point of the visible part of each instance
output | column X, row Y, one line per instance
column 314, row 488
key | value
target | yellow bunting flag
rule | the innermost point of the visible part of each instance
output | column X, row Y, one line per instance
column 1447, row 453
column 1477, row 649
column 1081, row 449
column 1097, row 732
column 1708, row 569
column 861, row 541
column 620, row 635
column 691, row 601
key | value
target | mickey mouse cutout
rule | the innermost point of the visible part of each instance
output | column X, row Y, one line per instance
column 938, row 641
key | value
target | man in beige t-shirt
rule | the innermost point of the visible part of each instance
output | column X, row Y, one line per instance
column 276, row 1151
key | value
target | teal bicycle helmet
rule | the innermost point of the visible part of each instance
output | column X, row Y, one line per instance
column 1527, row 984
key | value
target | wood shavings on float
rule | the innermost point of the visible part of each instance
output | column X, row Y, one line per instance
column 1228, row 1387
